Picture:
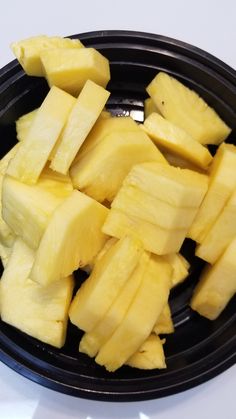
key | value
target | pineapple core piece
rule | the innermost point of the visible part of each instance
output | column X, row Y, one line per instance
column 63, row 247
column 150, row 355
column 222, row 182
column 47, row 125
column 140, row 317
column 83, row 116
column 149, row 107
column 220, row 234
column 176, row 140
column 101, row 171
column 217, row 285
column 69, row 69
column 164, row 324
column 108, row 277
column 41, row 312
column 23, row 124
column 28, row 51
column 185, row 108
column 27, row 209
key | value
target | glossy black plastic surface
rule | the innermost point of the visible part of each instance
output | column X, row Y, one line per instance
column 199, row 349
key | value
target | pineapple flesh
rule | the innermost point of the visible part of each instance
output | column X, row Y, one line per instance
column 23, row 124
column 164, row 323
column 150, row 355
column 149, row 107
column 180, row 267
column 5, row 253
column 186, row 109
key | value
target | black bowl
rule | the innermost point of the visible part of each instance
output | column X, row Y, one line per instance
column 199, row 349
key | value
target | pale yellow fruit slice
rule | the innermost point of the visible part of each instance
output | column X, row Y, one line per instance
column 5, row 160
column 174, row 139
column 69, row 69
column 41, row 312
column 140, row 318
column 220, row 234
column 177, row 161
column 187, row 109
column 222, row 181
column 101, row 171
column 28, row 51
column 56, row 183
column 150, row 355
column 108, row 277
column 23, row 124
column 178, row 187
column 135, row 202
column 63, row 247
column 48, row 123
column 180, row 267
column 93, row 340
column 164, row 324
column 5, row 253
column 83, row 116
column 217, row 285
column 149, row 107
column 155, row 239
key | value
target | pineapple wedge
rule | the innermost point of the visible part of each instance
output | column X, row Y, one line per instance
column 164, row 324
column 177, row 141
column 99, row 291
column 222, row 181
column 56, row 183
column 184, row 107
column 180, row 267
column 28, row 51
column 5, row 253
column 220, row 234
column 101, row 171
column 93, row 340
column 83, row 116
column 63, row 247
column 48, row 123
column 69, row 69
column 150, row 355
column 24, row 123
column 140, row 318
column 27, row 209
column 177, row 161
column 217, row 285
column 149, row 107
column 41, row 312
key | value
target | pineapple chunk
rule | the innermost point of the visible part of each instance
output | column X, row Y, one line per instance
column 180, row 267
column 137, row 203
column 150, row 355
column 48, row 123
column 69, row 69
column 108, row 277
column 155, row 239
column 178, row 187
column 164, row 324
column 220, row 234
column 27, row 209
column 175, row 140
column 185, row 108
column 83, row 116
column 217, row 285
column 93, row 340
column 140, row 318
column 28, row 51
column 101, row 171
column 63, row 247
column 4, row 162
column 149, row 107
column 41, row 312
column 178, row 161
column 222, row 181
column 5, row 253
column 56, row 183
column 24, row 123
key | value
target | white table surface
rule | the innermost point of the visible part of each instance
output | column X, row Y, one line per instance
column 208, row 24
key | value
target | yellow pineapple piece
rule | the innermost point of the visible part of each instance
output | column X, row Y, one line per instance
column 93, row 340
column 217, row 285
column 69, row 69
column 140, row 318
column 180, row 267
column 222, row 181
column 178, row 187
column 177, row 161
column 63, row 247
column 48, row 123
column 101, row 171
column 220, row 234
column 149, row 107
column 150, row 355
column 5, row 253
column 28, row 51
column 187, row 109
column 83, row 116
column 174, row 139
column 27, row 209
column 58, row 184
column 41, row 312
column 164, row 323
column 23, row 124
column 108, row 277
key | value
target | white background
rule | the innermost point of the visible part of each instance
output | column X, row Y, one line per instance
column 208, row 24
